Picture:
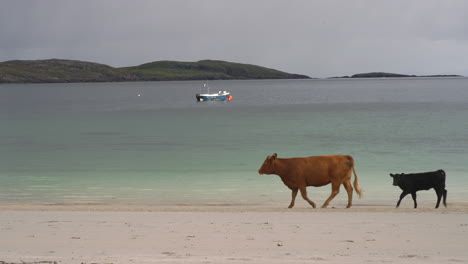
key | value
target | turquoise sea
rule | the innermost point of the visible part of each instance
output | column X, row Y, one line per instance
column 101, row 143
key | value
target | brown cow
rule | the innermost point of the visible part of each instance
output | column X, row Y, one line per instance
column 298, row 173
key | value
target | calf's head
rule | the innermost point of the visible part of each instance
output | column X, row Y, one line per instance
column 268, row 165
column 396, row 178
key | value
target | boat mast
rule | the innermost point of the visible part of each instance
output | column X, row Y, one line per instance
column 207, row 87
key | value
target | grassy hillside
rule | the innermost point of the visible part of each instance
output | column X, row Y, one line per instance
column 208, row 70
column 56, row 70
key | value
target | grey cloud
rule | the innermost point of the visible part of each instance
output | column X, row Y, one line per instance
column 317, row 38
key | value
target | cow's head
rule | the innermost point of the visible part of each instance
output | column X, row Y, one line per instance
column 396, row 178
column 268, row 165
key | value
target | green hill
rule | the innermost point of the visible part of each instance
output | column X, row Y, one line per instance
column 208, row 70
column 57, row 70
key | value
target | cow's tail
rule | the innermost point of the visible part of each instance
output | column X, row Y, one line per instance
column 355, row 183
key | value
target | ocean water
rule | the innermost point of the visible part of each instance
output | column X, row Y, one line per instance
column 101, row 143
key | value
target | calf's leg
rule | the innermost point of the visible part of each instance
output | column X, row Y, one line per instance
column 445, row 197
column 402, row 195
column 413, row 194
column 349, row 189
column 294, row 194
column 439, row 196
column 304, row 195
column 335, row 191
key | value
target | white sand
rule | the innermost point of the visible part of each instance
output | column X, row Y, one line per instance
column 223, row 234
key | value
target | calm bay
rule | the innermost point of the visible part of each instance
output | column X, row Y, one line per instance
column 151, row 143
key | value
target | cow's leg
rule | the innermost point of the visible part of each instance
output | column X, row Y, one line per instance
column 349, row 189
column 402, row 195
column 304, row 195
column 413, row 194
column 294, row 194
column 445, row 197
column 335, row 191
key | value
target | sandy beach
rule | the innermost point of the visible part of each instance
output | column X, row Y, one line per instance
column 233, row 234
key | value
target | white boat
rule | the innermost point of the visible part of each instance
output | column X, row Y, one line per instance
column 219, row 96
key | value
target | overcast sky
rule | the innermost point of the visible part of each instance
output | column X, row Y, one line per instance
column 317, row 38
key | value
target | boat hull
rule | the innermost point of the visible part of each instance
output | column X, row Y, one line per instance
column 203, row 98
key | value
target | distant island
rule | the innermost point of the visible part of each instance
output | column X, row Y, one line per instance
column 390, row 75
column 68, row 71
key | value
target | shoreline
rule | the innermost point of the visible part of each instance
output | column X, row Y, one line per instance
column 457, row 207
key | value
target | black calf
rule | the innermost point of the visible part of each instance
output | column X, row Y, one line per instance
column 413, row 182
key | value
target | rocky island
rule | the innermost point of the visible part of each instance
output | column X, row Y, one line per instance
column 391, row 75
